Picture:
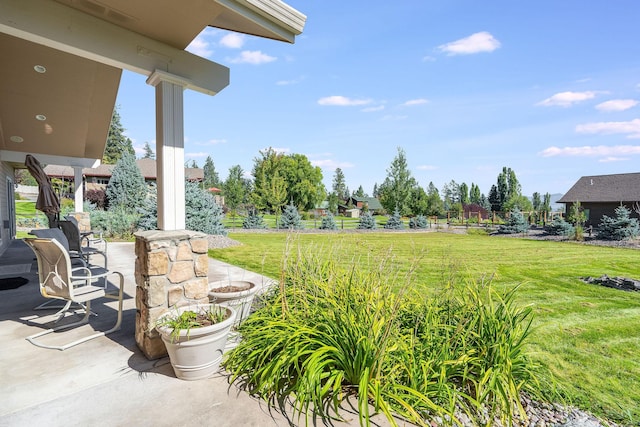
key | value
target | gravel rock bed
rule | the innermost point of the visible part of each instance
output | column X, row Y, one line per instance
column 221, row 242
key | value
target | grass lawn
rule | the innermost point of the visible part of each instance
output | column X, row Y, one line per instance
column 588, row 336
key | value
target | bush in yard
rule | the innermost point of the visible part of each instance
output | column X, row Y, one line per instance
column 394, row 222
column 514, row 224
column 419, row 221
column 116, row 223
column 148, row 211
column 367, row 222
column 253, row 221
column 622, row 227
column 328, row 222
column 559, row 227
column 97, row 198
column 335, row 329
column 126, row 189
column 201, row 210
column 290, row 219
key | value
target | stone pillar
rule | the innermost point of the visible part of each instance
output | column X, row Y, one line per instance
column 84, row 221
column 172, row 269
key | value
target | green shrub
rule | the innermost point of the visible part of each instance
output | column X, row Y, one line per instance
column 148, row 211
column 202, row 212
column 336, row 329
column 419, row 221
column 290, row 219
column 253, row 221
column 116, row 223
column 367, row 222
column 394, row 222
column 559, row 227
column 514, row 224
column 328, row 222
column 622, row 227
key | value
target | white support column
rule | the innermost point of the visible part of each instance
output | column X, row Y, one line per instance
column 79, row 189
column 169, row 149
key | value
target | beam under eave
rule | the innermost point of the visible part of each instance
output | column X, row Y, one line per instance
column 60, row 27
column 47, row 159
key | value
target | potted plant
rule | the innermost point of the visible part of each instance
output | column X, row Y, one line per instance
column 237, row 294
column 195, row 337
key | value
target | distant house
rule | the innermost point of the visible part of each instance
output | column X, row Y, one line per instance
column 371, row 203
column 98, row 178
column 601, row 194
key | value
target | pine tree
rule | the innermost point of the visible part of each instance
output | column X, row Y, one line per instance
column 126, row 188
column 290, row 219
column 211, row 178
column 201, row 211
column 367, row 222
column 395, row 191
column 394, row 222
column 419, row 221
column 559, row 227
column 148, row 152
column 328, row 222
column 117, row 143
column 514, row 224
column 148, row 211
column 253, row 221
column 622, row 227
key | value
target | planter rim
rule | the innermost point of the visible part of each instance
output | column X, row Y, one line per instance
column 237, row 294
column 203, row 330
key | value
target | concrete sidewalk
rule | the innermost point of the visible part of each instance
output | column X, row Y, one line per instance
column 108, row 381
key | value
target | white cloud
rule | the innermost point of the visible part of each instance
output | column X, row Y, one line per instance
column 199, row 46
column 428, row 59
column 617, row 105
column 342, row 101
column 426, row 168
column 413, row 102
column 475, row 43
column 290, row 82
column 567, row 99
column 232, row 41
column 592, row 151
column 254, row 57
column 330, row 164
column 630, row 128
column 373, row 109
column 613, row 159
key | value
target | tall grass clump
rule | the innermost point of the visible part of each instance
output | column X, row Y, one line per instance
column 344, row 327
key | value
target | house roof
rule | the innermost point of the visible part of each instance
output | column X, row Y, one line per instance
column 147, row 169
column 616, row 188
column 372, row 202
column 62, row 62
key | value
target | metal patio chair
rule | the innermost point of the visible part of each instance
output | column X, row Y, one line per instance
column 59, row 280
column 75, row 238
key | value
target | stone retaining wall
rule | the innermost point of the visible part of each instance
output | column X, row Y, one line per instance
column 171, row 269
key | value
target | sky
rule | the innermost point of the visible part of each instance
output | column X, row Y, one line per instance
column 548, row 88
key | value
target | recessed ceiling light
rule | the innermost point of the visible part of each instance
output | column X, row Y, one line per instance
column 41, row 117
column 40, row 69
column 16, row 138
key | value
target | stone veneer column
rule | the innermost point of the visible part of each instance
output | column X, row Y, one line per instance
column 84, row 220
column 172, row 269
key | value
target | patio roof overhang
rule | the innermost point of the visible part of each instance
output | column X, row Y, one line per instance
column 62, row 62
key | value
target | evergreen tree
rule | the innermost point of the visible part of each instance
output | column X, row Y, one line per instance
column 367, row 222
column 148, row 211
column 622, row 227
column 419, row 221
column 394, row 222
column 360, row 192
column 148, row 152
column 559, row 227
column 450, row 195
column 202, row 213
column 117, row 143
column 194, row 164
column 474, row 195
column 126, row 188
column 395, row 191
column 339, row 186
column 419, row 202
column 211, row 178
column 376, row 192
column 435, row 207
column 234, row 188
column 291, row 219
column 494, row 199
column 463, row 189
column 253, row 221
column 514, row 224
column 328, row 222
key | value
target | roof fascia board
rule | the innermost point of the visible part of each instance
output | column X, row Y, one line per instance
column 275, row 16
column 60, row 27
column 19, row 157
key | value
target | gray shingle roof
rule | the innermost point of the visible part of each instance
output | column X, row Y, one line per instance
column 147, row 169
column 624, row 187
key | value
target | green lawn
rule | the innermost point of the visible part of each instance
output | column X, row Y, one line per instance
column 588, row 336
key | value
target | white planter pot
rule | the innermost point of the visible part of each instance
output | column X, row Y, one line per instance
column 196, row 354
column 240, row 301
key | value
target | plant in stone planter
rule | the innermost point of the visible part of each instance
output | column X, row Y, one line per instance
column 195, row 337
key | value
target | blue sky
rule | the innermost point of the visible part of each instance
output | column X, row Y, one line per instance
column 548, row 88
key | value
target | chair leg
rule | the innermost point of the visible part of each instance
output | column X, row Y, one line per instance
column 119, row 296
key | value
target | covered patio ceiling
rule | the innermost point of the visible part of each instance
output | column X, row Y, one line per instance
column 62, row 62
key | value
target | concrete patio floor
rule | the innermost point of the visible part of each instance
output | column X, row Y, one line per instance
column 108, row 381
